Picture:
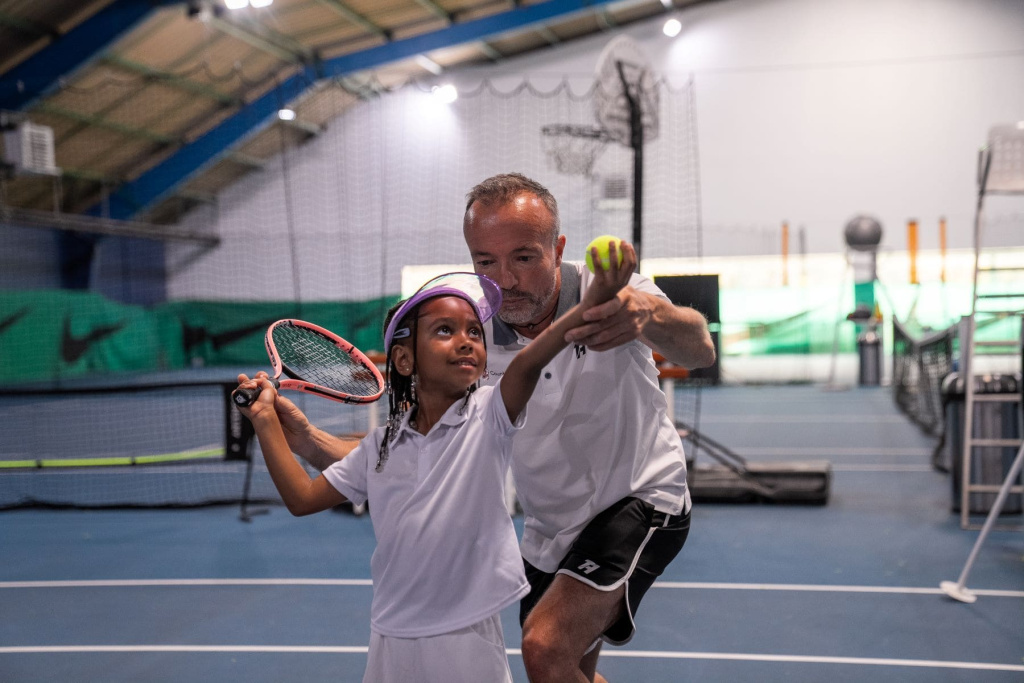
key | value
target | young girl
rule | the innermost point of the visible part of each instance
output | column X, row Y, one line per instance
column 447, row 560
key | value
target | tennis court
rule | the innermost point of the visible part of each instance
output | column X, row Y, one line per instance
column 835, row 187
column 848, row 591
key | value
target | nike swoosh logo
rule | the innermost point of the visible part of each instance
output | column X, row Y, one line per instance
column 13, row 318
column 194, row 336
column 72, row 347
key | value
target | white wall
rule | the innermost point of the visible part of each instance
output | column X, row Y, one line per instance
column 811, row 111
column 807, row 111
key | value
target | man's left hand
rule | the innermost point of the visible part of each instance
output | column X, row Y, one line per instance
column 616, row 322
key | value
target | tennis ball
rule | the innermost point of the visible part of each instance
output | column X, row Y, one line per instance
column 602, row 243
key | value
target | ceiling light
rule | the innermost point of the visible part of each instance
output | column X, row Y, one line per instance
column 672, row 28
column 236, row 4
column 286, row 114
column 446, row 93
column 261, row 3
column 1020, row 125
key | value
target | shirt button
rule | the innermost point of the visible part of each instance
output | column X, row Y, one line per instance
column 547, row 375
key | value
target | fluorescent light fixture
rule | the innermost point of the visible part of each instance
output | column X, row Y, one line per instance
column 236, row 4
column 429, row 64
column 672, row 28
column 445, row 93
column 286, row 114
column 261, row 3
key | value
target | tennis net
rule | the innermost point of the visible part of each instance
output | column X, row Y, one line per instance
column 919, row 366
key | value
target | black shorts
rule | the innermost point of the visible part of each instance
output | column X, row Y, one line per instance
column 630, row 543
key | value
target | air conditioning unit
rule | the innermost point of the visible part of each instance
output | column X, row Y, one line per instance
column 28, row 148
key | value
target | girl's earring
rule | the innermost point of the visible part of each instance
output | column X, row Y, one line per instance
column 412, row 388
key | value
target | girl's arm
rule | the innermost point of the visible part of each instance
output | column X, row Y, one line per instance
column 302, row 495
column 520, row 379
column 313, row 445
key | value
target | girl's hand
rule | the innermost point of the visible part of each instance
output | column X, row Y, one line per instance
column 263, row 406
column 607, row 282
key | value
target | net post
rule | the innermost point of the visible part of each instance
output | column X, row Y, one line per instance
column 238, row 430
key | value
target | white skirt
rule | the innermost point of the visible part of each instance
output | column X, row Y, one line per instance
column 475, row 654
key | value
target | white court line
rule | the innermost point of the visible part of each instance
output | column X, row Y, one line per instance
column 823, row 451
column 730, row 656
column 132, row 583
column 636, row 654
column 685, row 585
column 820, row 588
column 813, row 419
column 882, row 468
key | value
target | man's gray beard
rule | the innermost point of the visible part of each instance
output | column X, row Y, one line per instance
column 523, row 316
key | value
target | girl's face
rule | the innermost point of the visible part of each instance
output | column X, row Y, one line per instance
column 450, row 351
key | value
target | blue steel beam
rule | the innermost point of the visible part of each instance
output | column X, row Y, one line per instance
column 39, row 74
column 164, row 178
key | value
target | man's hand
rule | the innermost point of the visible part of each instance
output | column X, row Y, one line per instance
column 617, row 321
column 678, row 333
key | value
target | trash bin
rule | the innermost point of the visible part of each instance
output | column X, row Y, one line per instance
column 992, row 420
column 869, row 350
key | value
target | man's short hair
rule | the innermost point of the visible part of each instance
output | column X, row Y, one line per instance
column 505, row 187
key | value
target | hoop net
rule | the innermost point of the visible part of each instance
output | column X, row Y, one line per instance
column 572, row 149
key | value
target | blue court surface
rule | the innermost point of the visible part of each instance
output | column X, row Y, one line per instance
column 844, row 592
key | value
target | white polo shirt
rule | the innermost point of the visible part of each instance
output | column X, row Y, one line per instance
column 598, row 432
column 446, row 554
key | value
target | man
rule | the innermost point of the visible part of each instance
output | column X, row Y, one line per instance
column 601, row 476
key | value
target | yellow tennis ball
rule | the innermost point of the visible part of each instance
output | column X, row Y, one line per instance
column 602, row 243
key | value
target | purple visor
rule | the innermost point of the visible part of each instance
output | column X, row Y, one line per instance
column 482, row 293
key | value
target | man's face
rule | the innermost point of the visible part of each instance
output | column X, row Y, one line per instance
column 513, row 245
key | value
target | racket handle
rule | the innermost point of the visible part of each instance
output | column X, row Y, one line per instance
column 246, row 397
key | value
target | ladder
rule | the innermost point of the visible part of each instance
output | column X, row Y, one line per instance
column 1000, row 172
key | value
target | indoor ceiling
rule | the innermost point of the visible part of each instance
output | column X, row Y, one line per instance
column 156, row 105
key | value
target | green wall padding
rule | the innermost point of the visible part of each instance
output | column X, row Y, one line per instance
column 58, row 334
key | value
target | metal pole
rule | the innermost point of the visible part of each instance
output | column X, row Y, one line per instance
column 636, row 141
column 958, row 590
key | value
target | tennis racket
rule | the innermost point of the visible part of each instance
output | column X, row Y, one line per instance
column 317, row 362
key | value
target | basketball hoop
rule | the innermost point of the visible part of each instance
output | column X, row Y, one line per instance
column 573, row 149
column 624, row 77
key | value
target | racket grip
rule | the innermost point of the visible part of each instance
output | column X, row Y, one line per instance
column 246, row 397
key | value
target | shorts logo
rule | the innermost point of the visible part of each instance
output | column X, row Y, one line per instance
column 588, row 566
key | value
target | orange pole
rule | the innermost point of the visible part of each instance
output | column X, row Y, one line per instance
column 912, row 249
column 942, row 248
column 785, row 254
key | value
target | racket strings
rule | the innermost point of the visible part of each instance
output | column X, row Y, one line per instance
column 314, row 358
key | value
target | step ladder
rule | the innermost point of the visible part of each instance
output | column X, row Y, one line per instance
column 1000, row 172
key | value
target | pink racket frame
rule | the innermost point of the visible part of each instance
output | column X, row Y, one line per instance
column 301, row 385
